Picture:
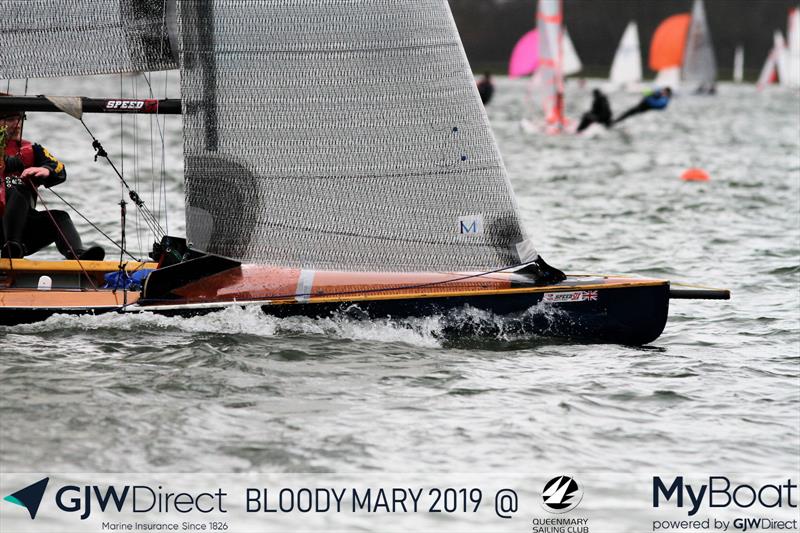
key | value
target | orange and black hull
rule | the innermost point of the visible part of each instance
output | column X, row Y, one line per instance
column 590, row 308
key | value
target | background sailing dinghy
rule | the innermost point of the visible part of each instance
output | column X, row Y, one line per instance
column 626, row 68
column 355, row 173
column 682, row 53
column 548, row 55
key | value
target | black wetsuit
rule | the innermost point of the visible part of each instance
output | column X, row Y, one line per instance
column 486, row 90
column 24, row 230
column 600, row 112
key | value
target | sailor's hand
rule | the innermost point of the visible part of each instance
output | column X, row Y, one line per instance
column 32, row 173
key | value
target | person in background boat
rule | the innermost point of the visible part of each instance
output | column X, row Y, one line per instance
column 658, row 99
column 486, row 88
column 707, row 89
column 600, row 112
column 24, row 229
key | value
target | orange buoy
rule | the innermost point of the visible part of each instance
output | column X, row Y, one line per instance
column 695, row 174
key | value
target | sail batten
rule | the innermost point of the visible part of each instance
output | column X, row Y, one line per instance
column 349, row 135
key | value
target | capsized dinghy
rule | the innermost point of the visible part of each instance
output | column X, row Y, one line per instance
column 308, row 193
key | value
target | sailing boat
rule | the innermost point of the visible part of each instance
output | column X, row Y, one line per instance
column 547, row 85
column 626, row 68
column 307, row 194
column 781, row 58
column 769, row 72
column 571, row 63
column 666, row 49
column 738, row 64
column 525, row 55
column 793, row 49
column 681, row 51
column 548, row 53
column 783, row 62
column 699, row 65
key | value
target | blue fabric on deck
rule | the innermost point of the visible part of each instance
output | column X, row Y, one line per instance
column 121, row 280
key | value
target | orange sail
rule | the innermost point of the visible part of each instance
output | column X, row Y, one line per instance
column 666, row 48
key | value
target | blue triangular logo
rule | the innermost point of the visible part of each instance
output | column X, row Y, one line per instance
column 30, row 497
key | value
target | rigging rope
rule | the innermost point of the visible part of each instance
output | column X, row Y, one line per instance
column 162, row 186
column 58, row 228
column 134, row 87
column 104, row 234
column 122, row 213
column 147, row 215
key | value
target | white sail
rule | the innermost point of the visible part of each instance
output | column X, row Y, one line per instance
column 738, row 64
column 669, row 77
column 793, row 48
column 768, row 71
column 627, row 65
column 699, row 64
column 45, row 39
column 550, row 78
column 398, row 172
column 571, row 62
column 781, row 57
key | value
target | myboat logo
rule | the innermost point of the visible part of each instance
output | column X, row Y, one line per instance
column 719, row 491
column 561, row 495
column 30, row 497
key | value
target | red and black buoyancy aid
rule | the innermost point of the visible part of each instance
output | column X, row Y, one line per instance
column 14, row 148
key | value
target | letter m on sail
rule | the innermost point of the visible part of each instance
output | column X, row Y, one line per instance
column 470, row 225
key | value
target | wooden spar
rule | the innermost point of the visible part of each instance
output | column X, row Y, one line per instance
column 168, row 106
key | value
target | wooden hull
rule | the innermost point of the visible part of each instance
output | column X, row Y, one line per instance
column 586, row 308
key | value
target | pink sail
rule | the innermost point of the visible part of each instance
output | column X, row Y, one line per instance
column 525, row 57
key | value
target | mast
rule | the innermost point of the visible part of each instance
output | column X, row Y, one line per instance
column 549, row 23
column 793, row 48
column 738, row 64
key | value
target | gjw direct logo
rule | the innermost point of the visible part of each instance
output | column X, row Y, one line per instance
column 30, row 497
column 561, row 494
column 85, row 499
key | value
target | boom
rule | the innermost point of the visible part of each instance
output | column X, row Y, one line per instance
column 78, row 104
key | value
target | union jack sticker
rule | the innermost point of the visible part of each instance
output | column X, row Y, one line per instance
column 575, row 296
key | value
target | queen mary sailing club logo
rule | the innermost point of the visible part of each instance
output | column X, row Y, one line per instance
column 561, row 494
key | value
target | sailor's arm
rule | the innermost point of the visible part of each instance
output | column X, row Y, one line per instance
column 47, row 170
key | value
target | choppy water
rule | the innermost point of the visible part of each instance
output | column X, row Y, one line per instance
column 240, row 392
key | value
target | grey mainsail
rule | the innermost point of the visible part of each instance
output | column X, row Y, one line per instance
column 49, row 38
column 699, row 63
column 339, row 134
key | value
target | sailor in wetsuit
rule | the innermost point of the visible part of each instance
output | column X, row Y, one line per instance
column 24, row 230
column 600, row 112
column 486, row 88
column 658, row 99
